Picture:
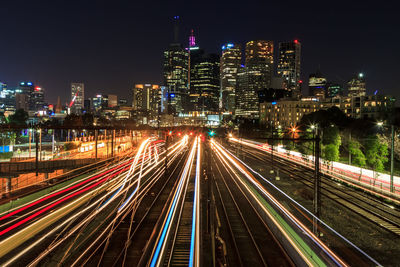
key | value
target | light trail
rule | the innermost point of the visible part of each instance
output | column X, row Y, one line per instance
column 297, row 243
column 156, row 258
column 194, row 259
column 335, row 174
column 74, row 206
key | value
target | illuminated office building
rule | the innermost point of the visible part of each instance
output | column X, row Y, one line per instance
column 334, row 89
column 260, row 58
column 250, row 81
column 77, row 97
column 356, row 86
column 230, row 64
column 259, row 51
column 112, row 101
column 204, row 84
column 147, row 98
column 175, row 74
column 289, row 66
column 23, row 94
column 36, row 100
column 99, row 102
column 7, row 99
column 317, row 85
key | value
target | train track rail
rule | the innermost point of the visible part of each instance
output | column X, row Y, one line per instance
column 374, row 210
column 146, row 217
column 251, row 240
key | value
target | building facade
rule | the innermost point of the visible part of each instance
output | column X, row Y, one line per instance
column 147, row 100
column 175, row 73
column 260, row 58
column 317, row 85
column 230, row 64
column 289, row 66
column 36, row 100
column 77, row 97
column 259, row 52
column 250, row 82
column 204, row 84
column 289, row 112
column 7, row 100
column 357, row 86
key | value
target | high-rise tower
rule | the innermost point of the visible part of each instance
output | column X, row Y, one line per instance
column 260, row 51
column 356, row 86
column 260, row 59
column 77, row 97
column 175, row 73
column 230, row 63
column 289, row 66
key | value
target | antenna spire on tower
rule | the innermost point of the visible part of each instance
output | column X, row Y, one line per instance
column 176, row 29
column 192, row 39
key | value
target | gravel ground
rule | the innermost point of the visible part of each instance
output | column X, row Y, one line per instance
column 379, row 243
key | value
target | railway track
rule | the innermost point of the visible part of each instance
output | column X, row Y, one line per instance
column 374, row 210
column 252, row 243
column 146, row 217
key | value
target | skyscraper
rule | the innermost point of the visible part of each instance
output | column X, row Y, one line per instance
column 317, row 85
column 250, row 82
column 230, row 63
column 7, row 99
column 77, row 97
column 260, row 58
column 147, row 98
column 23, row 96
column 356, row 86
column 334, row 89
column 36, row 100
column 289, row 66
column 112, row 101
column 175, row 74
column 204, row 84
column 260, row 51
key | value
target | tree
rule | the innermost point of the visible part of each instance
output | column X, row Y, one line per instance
column 331, row 136
column 19, row 118
column 73, row 120
column 376, row 153
column 2, row 118
column 331, row 142
column 358, row 157
column 331, row 152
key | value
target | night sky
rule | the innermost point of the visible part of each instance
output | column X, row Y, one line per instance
column 112, row 45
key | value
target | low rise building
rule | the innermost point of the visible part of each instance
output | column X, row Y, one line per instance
column 288, row 112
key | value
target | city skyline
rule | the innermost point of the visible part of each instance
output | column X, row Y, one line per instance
column 113, row 66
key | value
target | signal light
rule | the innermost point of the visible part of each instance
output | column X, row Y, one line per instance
column 211, row 133
column 191, row 133
column 179, row 134
column 170, row 133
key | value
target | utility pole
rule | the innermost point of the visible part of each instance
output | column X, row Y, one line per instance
column 317, row 183
column 40, row 147
column 52, row 144
column 349, row 151
column 166, row 155
column 30, row 140
column 392, row 161
column 112, row 143
column 37, row 153
column 272, row 148
column 96, row 135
